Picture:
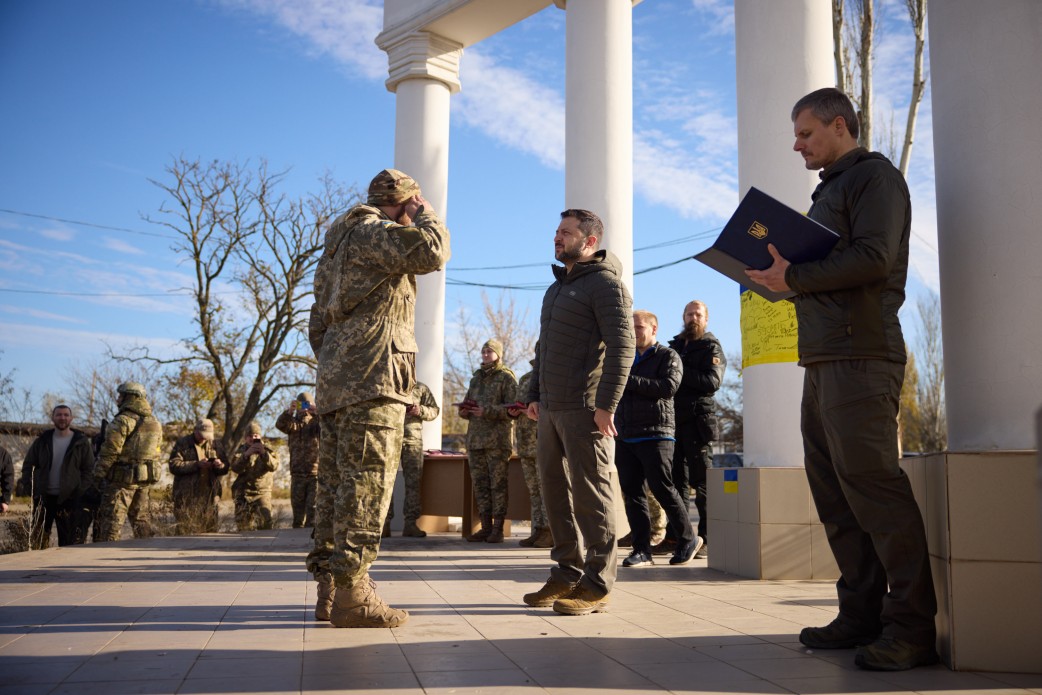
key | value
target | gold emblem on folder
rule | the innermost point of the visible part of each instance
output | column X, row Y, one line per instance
column 758, row 230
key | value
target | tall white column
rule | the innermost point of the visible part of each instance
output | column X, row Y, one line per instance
column 783, row 50
column 424, row 72
column 985, row 61
column 599, row 118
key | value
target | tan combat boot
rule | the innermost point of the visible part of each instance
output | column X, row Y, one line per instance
column 550, row 592
column 497, row 531
column 326, row 592
column 545, row 539
column 360, row 606
column 485, row 532
column 530, row 541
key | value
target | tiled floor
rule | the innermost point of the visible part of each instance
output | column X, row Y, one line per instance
column 232, row 614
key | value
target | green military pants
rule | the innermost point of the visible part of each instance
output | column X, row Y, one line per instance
column 358, row 461
column 864, row 499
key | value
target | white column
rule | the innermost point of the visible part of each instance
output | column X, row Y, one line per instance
column 783, row 51
column 599, row 118
column 985, row 61
column 424, row 72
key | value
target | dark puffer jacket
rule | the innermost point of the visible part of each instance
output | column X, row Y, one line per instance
column 848, row 302
column 646, row 408
column 585, row 344
column 77, row 466
column 704, row 365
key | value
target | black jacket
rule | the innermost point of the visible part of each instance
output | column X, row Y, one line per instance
column 77, row 466
column 704, row 365
column 847, row 303
column 6, row 476
column 646, row 408
column 585, row 343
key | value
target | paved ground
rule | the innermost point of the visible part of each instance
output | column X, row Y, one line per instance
column 232, row 614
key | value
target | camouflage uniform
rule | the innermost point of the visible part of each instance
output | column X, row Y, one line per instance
column 196, row 491
column 128, row 464
column 251, row 490
column 412, row 451
column 526, row 448
column 362, row 332
column 302, row 427
column 489, row 447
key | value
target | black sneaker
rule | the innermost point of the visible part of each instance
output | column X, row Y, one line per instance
column 638, row 558
column 837, row 635
column 685, row 552
column 893, row 654
column 666, row 547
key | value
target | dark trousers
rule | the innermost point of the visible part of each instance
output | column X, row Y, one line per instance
column 864, row 499
column 650, row 461
column 47, row 513
column 575, row 473
column 690, row 459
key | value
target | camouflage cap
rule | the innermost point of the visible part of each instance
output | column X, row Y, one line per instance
column 204, row 426
column 495, row 346
column 392, row 187
column 132, row 388
column 254, row 429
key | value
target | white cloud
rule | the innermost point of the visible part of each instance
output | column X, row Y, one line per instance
column 121, row 246
column 57, row 233
column 36, row 313
column 720, row 14
column 343, row 29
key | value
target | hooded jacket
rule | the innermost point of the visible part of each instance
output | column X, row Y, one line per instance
column 77, row 466
column 586, row 342
column 847, row 303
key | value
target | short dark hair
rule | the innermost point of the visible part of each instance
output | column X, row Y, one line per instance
column 589, row 223
column 826, row 104
column 60, row 405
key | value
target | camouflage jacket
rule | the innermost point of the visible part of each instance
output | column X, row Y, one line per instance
column 493, row 389
column 133, row 414
column 255, row 473
column 302, row 429
column 362, row 322
column 525, row 428
column 189, row 479
column 421, row 396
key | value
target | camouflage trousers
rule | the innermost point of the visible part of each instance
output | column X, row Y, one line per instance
column 120, row 502
column 357, row 462
column 488, row 473
column 302, row 491
column 531, row 473
column 253, row 512
column 656, row 514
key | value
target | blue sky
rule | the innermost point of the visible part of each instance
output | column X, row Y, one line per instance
column 100, row 97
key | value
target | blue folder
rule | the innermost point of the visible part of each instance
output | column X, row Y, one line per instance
column 760, row 220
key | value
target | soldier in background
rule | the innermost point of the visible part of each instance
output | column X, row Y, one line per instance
column 525, row 436
column 128, row 464
column 254, row 464
column 362, row 332
column 198, row 467
column 492, row 389
column 422, row 409
column 300, row 423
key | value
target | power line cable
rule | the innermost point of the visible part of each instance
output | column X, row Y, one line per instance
column 87, row 224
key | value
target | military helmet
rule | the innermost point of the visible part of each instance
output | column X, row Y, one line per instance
column 132, row 388
column 392, row 187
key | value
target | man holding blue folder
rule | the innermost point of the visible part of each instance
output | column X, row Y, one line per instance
column 850, row 343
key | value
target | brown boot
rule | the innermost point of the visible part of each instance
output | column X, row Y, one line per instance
column 411, row 530
column 545, row 538
column 497, row 530
column 326, row 593
column 360, row 606
column 530, row 541
column 485, row 532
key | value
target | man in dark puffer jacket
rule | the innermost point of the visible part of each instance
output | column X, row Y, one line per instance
column 583, row 359
column 851, row 346
column 644, row 447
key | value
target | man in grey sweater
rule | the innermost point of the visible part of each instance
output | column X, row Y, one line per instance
column 582, row 362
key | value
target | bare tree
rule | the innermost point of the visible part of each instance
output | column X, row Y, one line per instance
column 252, row 251
column 917, row 13
column 930, row 388
column 90, row 389
column 729, row 411
column 16, row 404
